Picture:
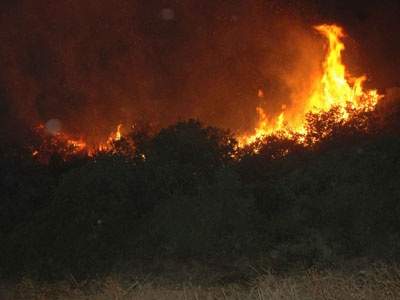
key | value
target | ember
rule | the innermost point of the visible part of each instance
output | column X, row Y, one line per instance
column 49, row 143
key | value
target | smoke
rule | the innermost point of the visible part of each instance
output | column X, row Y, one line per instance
column 94, row 64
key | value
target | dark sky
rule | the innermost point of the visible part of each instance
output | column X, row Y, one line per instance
column 93, row 64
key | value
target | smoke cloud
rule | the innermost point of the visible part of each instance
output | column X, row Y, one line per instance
column 94, row 64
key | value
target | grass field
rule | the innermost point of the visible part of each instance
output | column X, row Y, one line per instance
column 374, row 282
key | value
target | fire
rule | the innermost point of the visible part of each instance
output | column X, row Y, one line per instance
column 58, row 142
column 265, row 126
column 77, row 145
column 67, row 146
column 335, row 88
column 109, row 144
column 118, row 133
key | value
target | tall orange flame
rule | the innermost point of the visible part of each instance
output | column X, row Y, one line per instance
column 335, row 88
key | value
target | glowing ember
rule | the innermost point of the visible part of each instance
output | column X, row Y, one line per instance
column 77, row 145
column 334, row 89
column 58, row 142
column 66, row 146
column 107, row 146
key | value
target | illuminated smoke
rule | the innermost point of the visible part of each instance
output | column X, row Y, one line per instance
column 95, row 64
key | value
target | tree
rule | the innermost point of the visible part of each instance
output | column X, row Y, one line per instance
column 190, row 143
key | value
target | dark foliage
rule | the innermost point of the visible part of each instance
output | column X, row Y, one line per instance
column 387, row 112
column 26, row 191
column 188, row 193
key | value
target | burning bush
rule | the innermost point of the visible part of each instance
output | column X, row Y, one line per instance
column 309, row 187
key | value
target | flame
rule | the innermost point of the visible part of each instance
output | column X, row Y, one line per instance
column 108, row 145
column 335, row 88
column 118, row 133
column 77, row 145
column 58, row 142
column 62, row 143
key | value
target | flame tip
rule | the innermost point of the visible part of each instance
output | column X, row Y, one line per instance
column 334, row 88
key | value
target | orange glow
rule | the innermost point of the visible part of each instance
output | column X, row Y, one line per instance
column 106, row 146
column 335, row 88
column 58, row 142
column 118, row 133
column 67, row 146
column 77, row 145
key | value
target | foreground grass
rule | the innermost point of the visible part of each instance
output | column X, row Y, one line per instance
column 377, row 282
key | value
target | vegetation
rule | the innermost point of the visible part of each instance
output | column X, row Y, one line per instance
column 378, row 282
column 188, row 195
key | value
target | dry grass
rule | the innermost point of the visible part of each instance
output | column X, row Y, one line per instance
column 379, row 282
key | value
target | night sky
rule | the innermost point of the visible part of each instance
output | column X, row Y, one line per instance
column 94, row 64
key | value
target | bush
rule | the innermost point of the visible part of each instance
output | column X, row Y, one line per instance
column 94, row 216
column 216, row 221
column 185, row 193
